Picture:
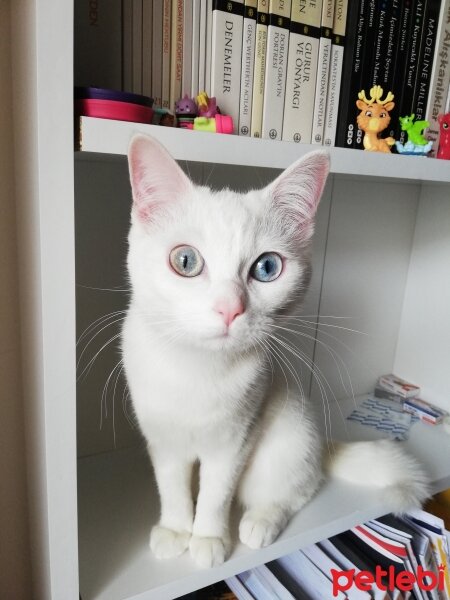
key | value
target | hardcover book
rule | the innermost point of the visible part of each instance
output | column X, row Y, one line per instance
column 259, row 72
column 323, row 70
column 247, row 66
column 276, row 67
column 137, row 47
column 176, row 57
column 157, row 41
column 186, row 73
column 147, row 30
column 302, row 68
column 195, row 88
column 167, row 6
column 227, row 23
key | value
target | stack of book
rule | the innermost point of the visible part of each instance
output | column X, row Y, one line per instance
column 283, row 69
column 390, row 558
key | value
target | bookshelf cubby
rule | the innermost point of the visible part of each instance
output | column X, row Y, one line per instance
column 381, row 252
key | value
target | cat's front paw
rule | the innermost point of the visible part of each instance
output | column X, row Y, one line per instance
column 257, row 531
column 167, row 543
column 208, row 551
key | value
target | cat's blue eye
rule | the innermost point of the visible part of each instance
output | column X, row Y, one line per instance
column 186, row 261
column 267, row 267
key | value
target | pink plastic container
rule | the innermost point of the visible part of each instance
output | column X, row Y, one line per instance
column 113, row 109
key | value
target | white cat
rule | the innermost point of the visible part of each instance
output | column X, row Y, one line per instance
column 210, row 272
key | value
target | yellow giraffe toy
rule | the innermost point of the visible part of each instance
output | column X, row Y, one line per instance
column 374, row 118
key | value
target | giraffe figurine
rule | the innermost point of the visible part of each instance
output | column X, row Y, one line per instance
column 374, row 118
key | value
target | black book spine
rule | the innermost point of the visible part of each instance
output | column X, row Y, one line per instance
column 370, row 32
column 412, row 60
column 426, row 56
column 350, row 82
column 404, row 32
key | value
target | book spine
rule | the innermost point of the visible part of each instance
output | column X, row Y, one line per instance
column 195, row 47
column 157, row 43
column 127, row 42
column 137, row 46
column 186, row 76
column 301, row 72
column 208, row 49
column 405, row 23
column 276, row 67
column 167, row 4
column 334, row 82
column 440, row 77
column 323, row 71
column 259, row 73
column 247, row 66
column 426, row 56
column 147, row 28
column 345, row 130
column 176, row 56
column 227, row 23
column 202, row 47
column 407, row 97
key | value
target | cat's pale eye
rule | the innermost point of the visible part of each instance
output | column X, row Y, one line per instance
column 186, row 261
column 267, row 267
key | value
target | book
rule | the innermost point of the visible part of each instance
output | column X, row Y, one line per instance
column 301, row 72
column 176, row 55
column 202, row 47
column 166, row 48
column 259, row 71
column 276, row 67
column 238, row 588
column 137, row 47
column 127, row 45
column 157, row 40
column 186, row 73
column 399, row 386
column 227, row 23
column 147, row 32
column 338, row 43
column 263, row 585
column 195, row 89
column 98, row 43
column 208, row 45
column 247, row 66
column 440, row 77
column 346, row 122
column 323, row 70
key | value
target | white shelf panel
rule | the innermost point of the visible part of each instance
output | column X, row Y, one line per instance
column 118, row 505
column 106, row 137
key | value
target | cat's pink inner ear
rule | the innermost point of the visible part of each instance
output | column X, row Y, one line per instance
column 156, row 179
column 299, row 188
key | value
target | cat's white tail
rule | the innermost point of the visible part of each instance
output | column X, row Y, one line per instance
column 382, row 464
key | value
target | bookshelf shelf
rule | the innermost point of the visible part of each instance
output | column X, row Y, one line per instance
column 106, row 137
column 118, row 504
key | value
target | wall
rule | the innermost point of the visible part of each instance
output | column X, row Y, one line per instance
column 14, row 549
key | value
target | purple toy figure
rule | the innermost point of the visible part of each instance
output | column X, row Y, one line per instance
column 186, row 111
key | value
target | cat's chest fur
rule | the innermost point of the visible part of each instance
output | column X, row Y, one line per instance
column 185, row 391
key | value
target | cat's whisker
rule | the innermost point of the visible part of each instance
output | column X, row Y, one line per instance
column 97, row 323
column 319, row 324
column 99, row 289
column 88, row 367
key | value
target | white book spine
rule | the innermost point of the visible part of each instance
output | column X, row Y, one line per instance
column 176, row 57
column 195, row 47
column 440, row 77
column 137, row 46
column 147, row 30
column 335, row 76
column 259, row 73
column 202, row 47
column 127, row 53
column 165, row 93
column 186, row 79
column 276, row 68
column 226, row 56
column 323, row 71
column 157, row 42
column 247, row 67
column 208, row 57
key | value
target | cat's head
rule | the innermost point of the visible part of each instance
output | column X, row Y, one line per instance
column 213, row 269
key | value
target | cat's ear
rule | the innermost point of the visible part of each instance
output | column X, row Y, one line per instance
column 297, row 191
column 156, row 179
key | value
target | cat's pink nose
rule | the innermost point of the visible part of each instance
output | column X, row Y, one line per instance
column 229, row 309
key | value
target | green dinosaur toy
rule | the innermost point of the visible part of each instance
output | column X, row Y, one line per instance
column 414, row 129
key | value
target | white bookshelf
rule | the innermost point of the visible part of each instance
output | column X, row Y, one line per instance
column 118, row 502
column 105, row 137
column 382, row 248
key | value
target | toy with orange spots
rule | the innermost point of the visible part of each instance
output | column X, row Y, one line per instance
column 374, row 118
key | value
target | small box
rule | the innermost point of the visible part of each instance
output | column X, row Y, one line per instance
column 380, row 392
column 425, row 411
column 398, row 386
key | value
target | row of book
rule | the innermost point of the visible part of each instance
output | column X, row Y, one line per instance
column 390, row 558
column 283, row 69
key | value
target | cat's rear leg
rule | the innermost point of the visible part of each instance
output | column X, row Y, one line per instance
column 282, row 474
